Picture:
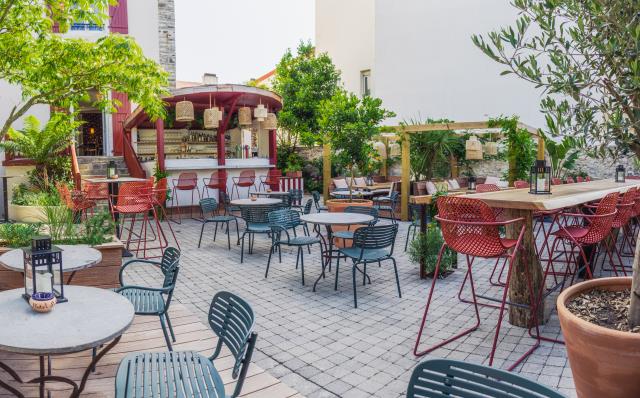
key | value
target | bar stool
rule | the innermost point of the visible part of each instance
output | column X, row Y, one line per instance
column 95, row 190
column 569, row 180
column 556, row 181
column 469, row 227
column 520, row 184
column 246, row 180
column 186, row 182
column 215, row 181
column 159, row 199
column 75, row 201
column 271, row 180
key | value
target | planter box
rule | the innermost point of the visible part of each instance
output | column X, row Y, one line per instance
column 28, row 214
column 103, row 275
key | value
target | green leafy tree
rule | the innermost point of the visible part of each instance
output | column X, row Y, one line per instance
column 43, row 145
column 303, row 81
column 58, row 71
column 351, row 125
column 431, row 152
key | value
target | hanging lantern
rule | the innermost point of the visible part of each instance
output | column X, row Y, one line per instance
column 271, row 122
column 620, row 173
column 184, row 111
column 394, row 149
column 491, row 148
column 260, row 113
column 381, row 149
column 473, row 148
column 244, row 116
column 540, row 179
column 211, row 120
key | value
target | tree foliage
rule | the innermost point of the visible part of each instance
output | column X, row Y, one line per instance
column 59, row 71
column 304, row 81
column 584, row 54
column 351, row 124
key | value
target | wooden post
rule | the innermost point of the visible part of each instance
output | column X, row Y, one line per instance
column 160, row 143
column 404, row 194
column 453, row 163
column 326, row 169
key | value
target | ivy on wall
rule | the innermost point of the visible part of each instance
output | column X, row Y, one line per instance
column 520, row 148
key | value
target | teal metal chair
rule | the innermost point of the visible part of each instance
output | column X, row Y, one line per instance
column 414, row 210
column 154, row 301
column 296, row 198
column 447, row 378
column 370, row 211
column 209, row 208
column 316, row 200
column 188, row 373
column 388, row 204
column 370, row 244
column 283, row 223
column 228, row 207
column 256, row 222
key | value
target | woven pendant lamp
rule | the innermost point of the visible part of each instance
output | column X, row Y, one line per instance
column 271, row 122
column 211, row 120
column 394, row 149
column 381, row 148
column 491, row 148
column 244, row 116
column 260, row 112
column 473, row 148
column 184, row 111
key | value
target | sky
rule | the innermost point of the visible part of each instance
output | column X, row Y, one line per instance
column 238, row 39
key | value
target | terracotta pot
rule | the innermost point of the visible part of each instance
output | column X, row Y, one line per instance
column 338, row 206
column 604, row 362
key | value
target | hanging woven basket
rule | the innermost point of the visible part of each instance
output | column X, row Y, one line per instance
column 184, row 111
column 491, row 148
column 271, row 122
column 381, row 149
column 211, row 120
column 260, row 113
column 473, row 148
column 244, row 116
column 394, row 149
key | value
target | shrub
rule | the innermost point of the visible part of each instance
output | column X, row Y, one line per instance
column 426, row 246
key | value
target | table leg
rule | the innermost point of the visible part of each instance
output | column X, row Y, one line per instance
column 327, row 254
column 5, row 197
column 518, row 287
column 423, row 230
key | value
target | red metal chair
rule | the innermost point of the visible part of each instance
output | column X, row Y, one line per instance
column 76, row 201
column 587, row 178
column 95, row 190
column 620, row 228
column 246, row 180
column 520, row 184
column 217, row 180
column 556, row 181
column 186, row 182
column 271, row 180
column 159, row 199
column 569, row 180
column 579, row 179
column 469, row 227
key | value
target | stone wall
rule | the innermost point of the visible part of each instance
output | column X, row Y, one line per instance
column 167, row 38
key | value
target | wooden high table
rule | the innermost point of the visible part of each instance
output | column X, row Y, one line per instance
column 519, row 203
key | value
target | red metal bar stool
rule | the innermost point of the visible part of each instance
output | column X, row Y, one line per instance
column 215, row 181
column 246, row 180
column 136, row 203
column 469, row 227
column 481, row 188
column 520, row 184
column 619, row 231
column 159, row 199
column 579, row 179
column 186, row 182
column 556, row 181
column 271, row 180
column 75, row 201
column 593, row 231
column 569, row 180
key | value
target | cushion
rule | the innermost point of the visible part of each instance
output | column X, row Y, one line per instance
column 492, row 180
column 431, row 188
column 442, row 186
column 340, row 183
column 360, row 181
column 453, row 184
column 421, row 188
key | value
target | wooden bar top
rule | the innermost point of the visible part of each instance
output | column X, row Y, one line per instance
column 562, row 196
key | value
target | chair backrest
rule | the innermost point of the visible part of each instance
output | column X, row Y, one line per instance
column 170, row 265
column 307, row 207
column 247, row 176
column 95, row 190
column 135, row 196
column 187, row 180
column 208, row 206
column 285, row 218
column 556, row 181
column 600, row 227
column 370, row 211
column 287, row 200
column 463, row 222
column 625, row 208
column 520, row 184
column 232, row 319
column 394, row 197
column 579, row 179
column 569, row 180
column 376, row 237
column 316, row 199
column 487, row 188
column 256, row 214
column 296, row 195
column 65, row 194
column 444, row 377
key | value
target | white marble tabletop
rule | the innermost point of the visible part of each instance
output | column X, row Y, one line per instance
column 90, row 318
column 272, row 193
column 336, row 218
column 257, row 202
column 74, row 258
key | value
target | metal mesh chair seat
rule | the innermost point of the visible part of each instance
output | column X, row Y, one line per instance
column 258, row 227
column 366, row 255
column 144, row 301
column 303, row 240
column 572, row 231
column 209, row 209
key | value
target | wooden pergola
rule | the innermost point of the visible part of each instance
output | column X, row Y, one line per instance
column 403, row 134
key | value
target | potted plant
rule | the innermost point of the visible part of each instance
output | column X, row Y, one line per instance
column 351, row 125
column 424, row 251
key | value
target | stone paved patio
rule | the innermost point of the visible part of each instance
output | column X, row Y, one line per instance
column 320, row 345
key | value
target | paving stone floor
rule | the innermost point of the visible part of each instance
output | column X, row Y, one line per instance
column 317, row 343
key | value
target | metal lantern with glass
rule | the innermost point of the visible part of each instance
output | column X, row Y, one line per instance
column 43, row 269
column 472, row 183
column 620, row 173
column 112, row 169
column 540, row 179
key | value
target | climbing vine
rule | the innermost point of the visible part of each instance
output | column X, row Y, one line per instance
column 520, row 148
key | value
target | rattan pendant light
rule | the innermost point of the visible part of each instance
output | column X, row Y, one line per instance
column 271, row 122
column 184, row 111
column 211, row 119
column 394, row 149
column 473, row 148
column 381, row 148
column 260, row 112
column 491, row 148
column 244, row 116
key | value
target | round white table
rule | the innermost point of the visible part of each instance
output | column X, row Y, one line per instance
column 329, row 220
column 257, row 202
column 74, row 258
column 272, row 193
column 92, row 317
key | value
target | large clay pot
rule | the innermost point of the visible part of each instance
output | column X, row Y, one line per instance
column 338, row 206
column 604, row 362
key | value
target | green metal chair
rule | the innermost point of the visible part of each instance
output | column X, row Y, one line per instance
column 209, row 208
column 370, row 211
column 228, row 207
column 154, row 301
column 392, row 205
column 447, row 378
column 370, row 244
column 316, row 200
column 256, row 222
column 281, row 222
column 414, row 210
column 296, row 198
column 187, row 373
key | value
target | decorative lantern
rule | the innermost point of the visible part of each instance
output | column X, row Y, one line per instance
column 184, row 111
column 39, row 274
column 244, row 116
column 472, row 183
column 473, row 148
column 491, row 148
column 211, row 120
column 260, row 113
column 394, row 149
column 620, row 173
column 540, row 179
column 271, row 122
column 112, row 169
column 381, row 148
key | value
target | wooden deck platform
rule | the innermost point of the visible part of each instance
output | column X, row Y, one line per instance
column 144, row 335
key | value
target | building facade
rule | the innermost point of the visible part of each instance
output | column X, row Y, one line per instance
column 418, row 57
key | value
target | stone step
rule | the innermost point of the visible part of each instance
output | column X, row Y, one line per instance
column 97, row 165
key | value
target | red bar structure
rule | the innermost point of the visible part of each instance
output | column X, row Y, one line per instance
column 160, row 142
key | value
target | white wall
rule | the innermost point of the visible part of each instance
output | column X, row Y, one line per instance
column 345, row 29
column 143, row 26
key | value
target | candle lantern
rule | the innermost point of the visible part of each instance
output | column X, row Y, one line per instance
column 472, row 183
column 540, row 179
column 111, row 169
column 43, row 269
column 620, row 173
